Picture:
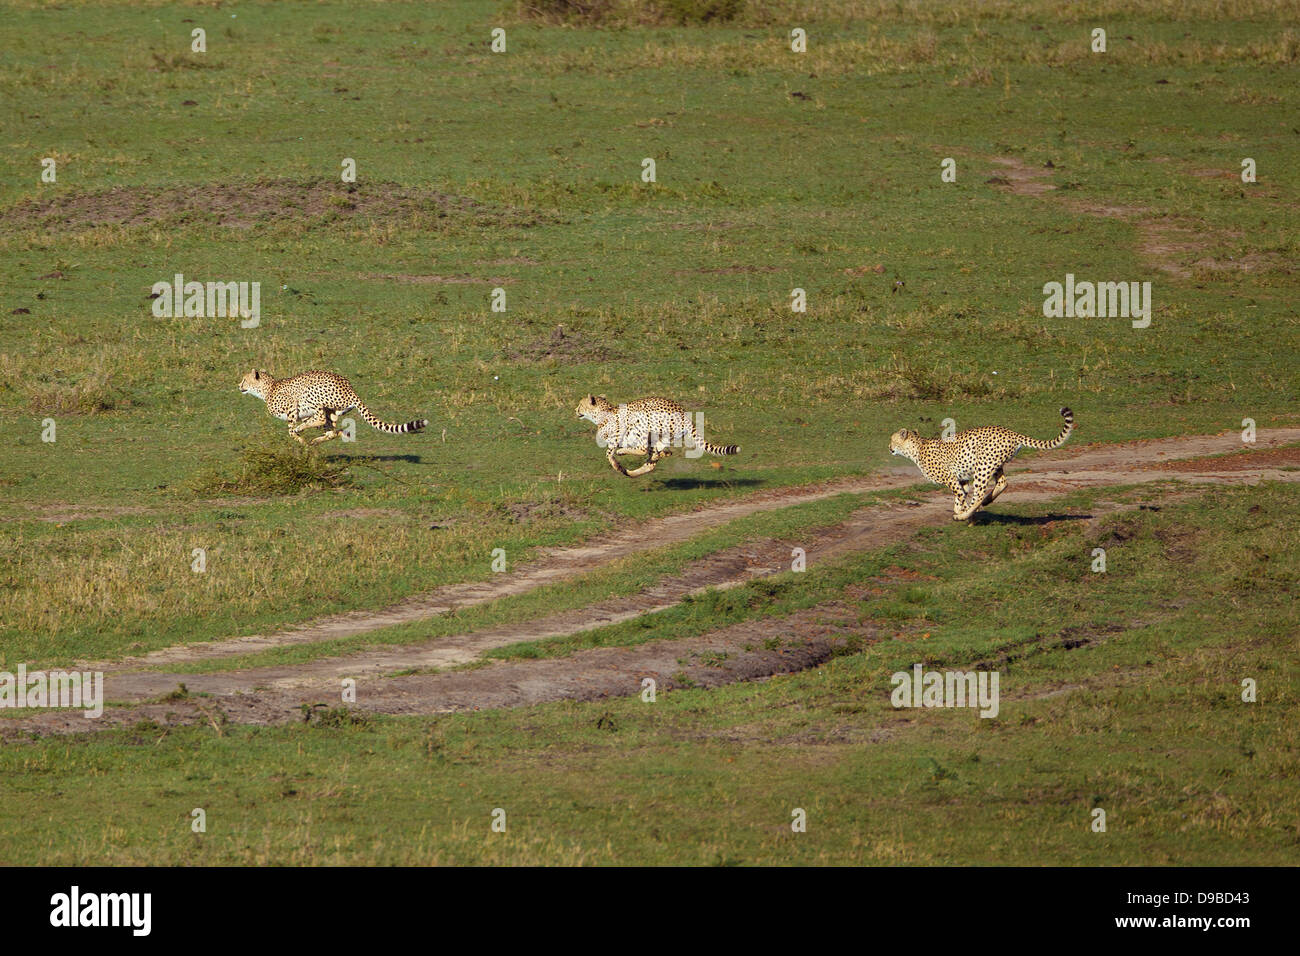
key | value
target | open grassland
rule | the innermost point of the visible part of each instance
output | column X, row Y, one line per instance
column 521, row 171
column 1133, row 706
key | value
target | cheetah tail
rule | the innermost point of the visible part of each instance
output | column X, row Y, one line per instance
column 713, row 449
column 1056, row 442
column 383, row 426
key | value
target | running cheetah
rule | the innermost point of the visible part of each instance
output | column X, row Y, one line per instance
column 971, row 463
column 649, row 426
column 314, row 400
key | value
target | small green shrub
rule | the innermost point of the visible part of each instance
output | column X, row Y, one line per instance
column 262, row 470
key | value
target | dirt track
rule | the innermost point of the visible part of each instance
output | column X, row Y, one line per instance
column 749, row 651
column 1179, row 247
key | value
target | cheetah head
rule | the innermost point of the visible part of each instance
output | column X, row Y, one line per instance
column 903, row 442
column 593, row 408
column 254, row 383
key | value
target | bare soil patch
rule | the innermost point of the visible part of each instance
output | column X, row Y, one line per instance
column 1251, row 262
column 560, row 345
column 61, row 513
column 244, row 205
column 727, row 270
column 463, row 278
column 524, row 511
column 1020, row 178
column 1249, row 458
column 365, row 513
column 878, row 269
column 1168, row 244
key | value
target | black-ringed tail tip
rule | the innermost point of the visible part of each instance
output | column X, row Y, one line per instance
column 1065, row 429
column 414, row 426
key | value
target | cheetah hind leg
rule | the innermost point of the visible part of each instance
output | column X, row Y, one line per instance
column 614, row 462
column 979, row 490
column 331, row 428
column 651, row 460
column 315, row 421
column 958, row 489
column 998, row 488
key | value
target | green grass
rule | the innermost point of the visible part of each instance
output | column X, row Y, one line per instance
column 1145, row 722
column 682, row 286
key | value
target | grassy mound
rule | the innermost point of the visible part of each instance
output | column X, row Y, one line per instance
column 264, row 470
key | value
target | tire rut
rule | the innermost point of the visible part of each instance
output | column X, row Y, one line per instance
column 277, row 694
column 560, row 564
